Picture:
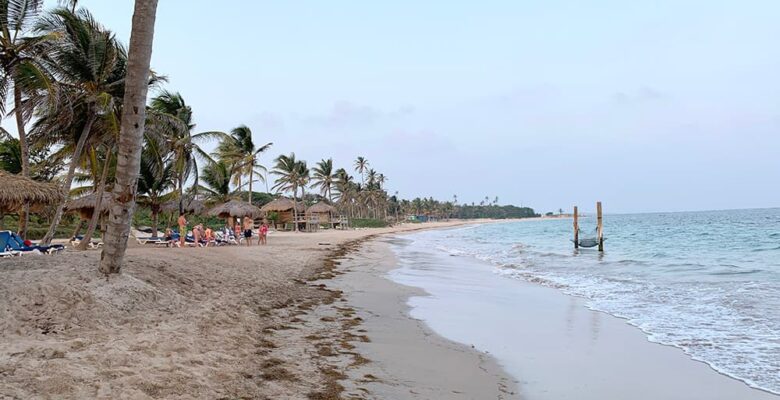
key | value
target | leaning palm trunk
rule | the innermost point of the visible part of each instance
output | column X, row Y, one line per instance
column 98, row 205
column 24, row 149
column 69, row 177
column 130, row 136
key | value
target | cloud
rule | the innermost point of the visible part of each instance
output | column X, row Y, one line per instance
column 348, row 114
column 640, row 96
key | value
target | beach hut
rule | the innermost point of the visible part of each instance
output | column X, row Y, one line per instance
column 85, row 207
column 17, row 190
column 191, row 206
column 322, row 212
column 233, row 209
column 283, row 207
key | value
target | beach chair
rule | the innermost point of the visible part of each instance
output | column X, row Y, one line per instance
column 5, row 250
column 144, row 240
column 76, row 240
column 15, row 243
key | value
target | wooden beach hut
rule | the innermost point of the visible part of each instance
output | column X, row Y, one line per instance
column 234, row 208
column 17, row 190
column 283, row 207
column 85, row 207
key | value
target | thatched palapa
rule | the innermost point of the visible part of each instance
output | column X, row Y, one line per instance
column 283, row 207
column 17, row 190
column 235, row 208
column 192, row 206
column 85, row 205
column 322, row 211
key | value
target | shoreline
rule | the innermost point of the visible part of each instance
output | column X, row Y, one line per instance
column 567, row 350
column 408, row 359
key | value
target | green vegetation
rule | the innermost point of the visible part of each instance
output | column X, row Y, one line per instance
column 368, row 223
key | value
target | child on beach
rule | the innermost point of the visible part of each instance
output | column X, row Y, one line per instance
column 263, row 233
column 209, row 236
column 168, row 237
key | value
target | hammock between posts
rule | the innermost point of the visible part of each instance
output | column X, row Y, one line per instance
column 588, row 241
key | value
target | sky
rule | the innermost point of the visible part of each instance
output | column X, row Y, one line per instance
column 645, row 106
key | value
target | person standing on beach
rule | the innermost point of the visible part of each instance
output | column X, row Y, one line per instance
column 263, row 231
column 182, row 229
column 237, row 230
column 248, row 225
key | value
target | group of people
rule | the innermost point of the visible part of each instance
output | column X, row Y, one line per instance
column 207, row 237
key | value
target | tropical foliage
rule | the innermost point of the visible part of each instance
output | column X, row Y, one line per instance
column 64, row 76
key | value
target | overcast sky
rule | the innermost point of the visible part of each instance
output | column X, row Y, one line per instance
column 647, row 106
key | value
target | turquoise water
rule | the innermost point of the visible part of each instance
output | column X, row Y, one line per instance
column 707, row 282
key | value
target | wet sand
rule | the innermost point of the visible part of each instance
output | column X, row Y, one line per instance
column 550, row 342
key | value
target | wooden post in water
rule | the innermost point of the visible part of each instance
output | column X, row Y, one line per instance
column 576, row 230
column 600, row 226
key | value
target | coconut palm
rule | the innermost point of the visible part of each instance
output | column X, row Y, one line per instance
column 239, row 150
column 217, row 176
column 288, row 169
column 21, row 71
column 90, row 66
column 132, row 129
column 156, row 181
column 361, row 165
column 324, row 178
column 171, row 118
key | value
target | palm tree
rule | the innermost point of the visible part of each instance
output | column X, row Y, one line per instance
column 21, row 71
column 90, row 66
column 216, row 176
column 361, row 165
column 324, row 178
column 132, row 130
column 156, row 180
column 171, row 118
column 287, row 169
column 239, row 150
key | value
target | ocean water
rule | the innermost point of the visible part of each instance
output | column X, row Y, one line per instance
column 706, row 282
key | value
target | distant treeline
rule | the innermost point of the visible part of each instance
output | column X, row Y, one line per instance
column 493, row 211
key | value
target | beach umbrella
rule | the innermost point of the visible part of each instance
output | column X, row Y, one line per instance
column 85, row 205
column 17, row 190
column 192, row 206
column 234, row 208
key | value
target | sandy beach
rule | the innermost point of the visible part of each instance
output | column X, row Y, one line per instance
column 310, row 316
column 228, row 322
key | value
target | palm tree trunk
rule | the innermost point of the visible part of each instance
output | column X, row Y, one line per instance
column 295, row 208
column 155, row 220
column 78, row 228
column 69, row 177
column 250, row 185
column 98, row 204
column 181, row 192
column 130, row 136
column 25, row 155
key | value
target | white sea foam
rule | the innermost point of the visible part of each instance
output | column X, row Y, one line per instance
column 713, row 296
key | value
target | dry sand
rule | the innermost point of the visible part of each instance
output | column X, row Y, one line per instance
column 229, row 322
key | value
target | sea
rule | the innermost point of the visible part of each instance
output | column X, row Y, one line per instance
column 705, row 282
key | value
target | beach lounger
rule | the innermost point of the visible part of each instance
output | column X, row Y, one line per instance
column 75, row 241
column 14, row 242
column 144, row 240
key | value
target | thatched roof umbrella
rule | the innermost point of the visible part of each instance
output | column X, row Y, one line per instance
column 234, row 208
column 192, row 207
column 282, row 204
column 17, row 190
column 85, row 205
